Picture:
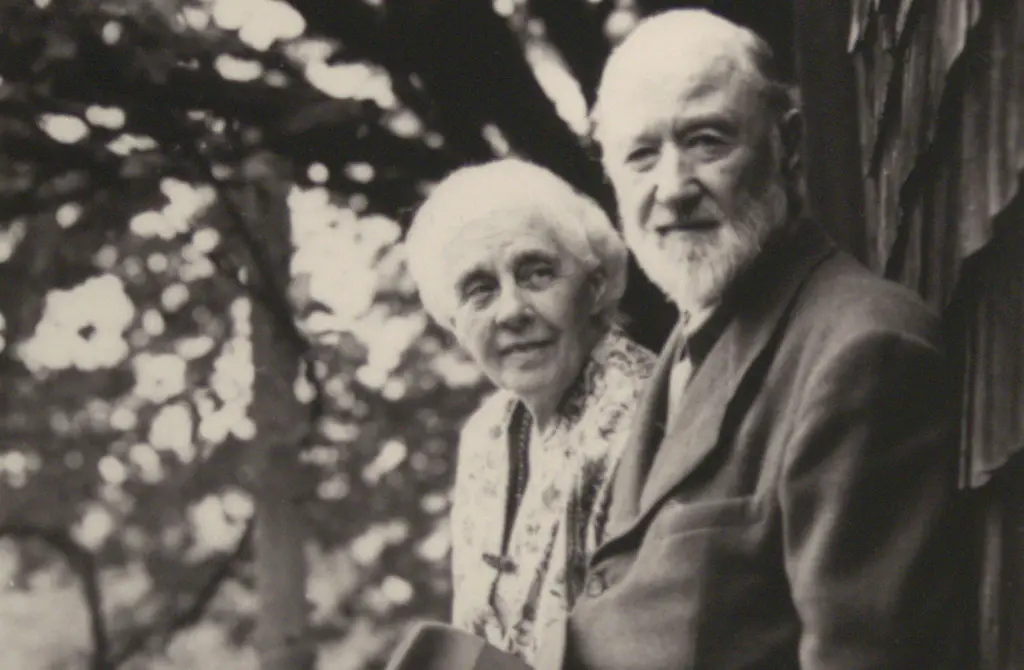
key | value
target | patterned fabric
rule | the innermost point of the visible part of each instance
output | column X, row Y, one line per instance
column 564, row 507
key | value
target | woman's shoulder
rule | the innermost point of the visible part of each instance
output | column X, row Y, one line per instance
column 626, row 364
column 618, row 376
column 478, row 454
column 490, row 419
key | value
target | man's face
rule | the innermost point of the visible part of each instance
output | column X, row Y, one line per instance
column 694, row 157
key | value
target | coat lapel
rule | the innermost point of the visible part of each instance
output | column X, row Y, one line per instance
column 761, row 301
column 659, row 462
column 646, row 434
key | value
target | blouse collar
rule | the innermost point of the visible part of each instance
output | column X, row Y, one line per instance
column 573, row 402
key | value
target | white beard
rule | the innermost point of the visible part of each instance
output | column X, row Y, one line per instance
column 694, row 269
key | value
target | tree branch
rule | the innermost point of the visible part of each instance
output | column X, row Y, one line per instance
column 165, row 628
column 471, row 61
column 577, row 31
column 267, row 283
column 365, row 34
column 100, row 73
column 83, row 563
column 270, row 287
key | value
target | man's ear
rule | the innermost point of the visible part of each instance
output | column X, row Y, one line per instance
column 791, row 131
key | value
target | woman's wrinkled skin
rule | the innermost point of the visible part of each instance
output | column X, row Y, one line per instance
column 523, row 306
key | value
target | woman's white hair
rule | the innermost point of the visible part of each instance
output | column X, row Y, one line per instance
column 516, row 187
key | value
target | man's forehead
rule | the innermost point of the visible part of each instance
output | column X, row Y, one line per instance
column 686, row 54
column 674, row 96
column 702, row 75
column 677, row 66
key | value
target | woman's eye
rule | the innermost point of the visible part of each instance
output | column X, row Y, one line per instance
column 477, row 293
column 536, row 275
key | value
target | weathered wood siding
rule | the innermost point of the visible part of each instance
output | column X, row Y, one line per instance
column 941, row 94
column 941, row 111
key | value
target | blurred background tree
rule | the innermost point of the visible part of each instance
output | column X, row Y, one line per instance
column 226, row 425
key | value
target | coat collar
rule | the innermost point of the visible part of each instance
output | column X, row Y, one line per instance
column 757, row 304
column 648, row 429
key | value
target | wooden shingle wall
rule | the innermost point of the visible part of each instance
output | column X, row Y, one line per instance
column 941, row 112
column 941, row 94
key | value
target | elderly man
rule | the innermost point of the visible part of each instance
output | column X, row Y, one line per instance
column 785, row 500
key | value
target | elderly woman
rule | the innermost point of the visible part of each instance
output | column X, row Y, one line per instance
column 527, row 273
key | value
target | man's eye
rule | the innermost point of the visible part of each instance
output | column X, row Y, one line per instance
column 706, row 142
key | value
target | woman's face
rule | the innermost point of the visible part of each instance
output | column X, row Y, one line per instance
column 522, row 305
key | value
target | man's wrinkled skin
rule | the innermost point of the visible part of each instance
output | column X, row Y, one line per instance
column 793, row 507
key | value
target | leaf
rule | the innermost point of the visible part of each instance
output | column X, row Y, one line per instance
column 59, row 47
column 325, row 113
column 156, row 64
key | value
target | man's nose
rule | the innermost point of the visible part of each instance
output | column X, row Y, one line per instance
column 676, row 181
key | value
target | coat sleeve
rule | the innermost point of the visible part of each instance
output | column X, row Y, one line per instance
column 869, row 529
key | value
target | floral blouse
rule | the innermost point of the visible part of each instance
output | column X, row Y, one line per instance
column 563, row 509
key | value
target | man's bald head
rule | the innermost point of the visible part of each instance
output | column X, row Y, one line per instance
column 686, row 43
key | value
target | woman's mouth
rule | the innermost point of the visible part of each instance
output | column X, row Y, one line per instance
column 524, row 347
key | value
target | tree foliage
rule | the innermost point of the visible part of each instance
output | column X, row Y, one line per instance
column 178, row 172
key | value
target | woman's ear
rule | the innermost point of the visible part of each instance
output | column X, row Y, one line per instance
column 597, row 285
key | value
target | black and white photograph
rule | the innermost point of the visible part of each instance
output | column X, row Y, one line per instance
column 511, row 335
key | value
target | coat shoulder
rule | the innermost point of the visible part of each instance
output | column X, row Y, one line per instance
column 842, row 300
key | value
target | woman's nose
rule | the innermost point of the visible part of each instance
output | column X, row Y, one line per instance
column 512, row 309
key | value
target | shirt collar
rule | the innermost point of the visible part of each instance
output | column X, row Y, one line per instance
column 704, row 328
column 701, row 331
